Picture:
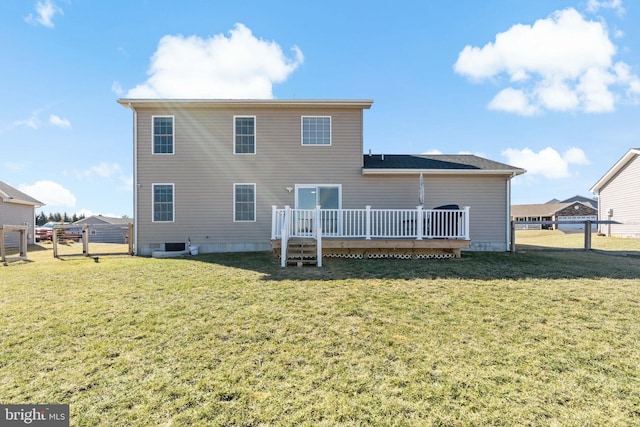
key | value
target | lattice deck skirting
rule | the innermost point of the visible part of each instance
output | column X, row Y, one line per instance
column 388, row 249
column 379, row 253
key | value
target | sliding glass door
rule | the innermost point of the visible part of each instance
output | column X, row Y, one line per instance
column 308, row 196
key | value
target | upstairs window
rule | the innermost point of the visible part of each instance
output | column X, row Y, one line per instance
column 316, row 130
column 244, row 132
column 163, row 206
column 244, row 202
column 163, row 135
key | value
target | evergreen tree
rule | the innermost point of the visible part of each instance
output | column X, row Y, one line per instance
column 41, row 219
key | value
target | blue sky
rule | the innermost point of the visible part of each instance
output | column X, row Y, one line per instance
column 550, row 86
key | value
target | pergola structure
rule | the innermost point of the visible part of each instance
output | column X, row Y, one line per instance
column 22, row 245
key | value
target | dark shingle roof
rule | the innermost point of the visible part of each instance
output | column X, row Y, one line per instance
column 468, row 162
column 18, row 195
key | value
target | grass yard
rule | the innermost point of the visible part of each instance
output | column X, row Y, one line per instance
column 541, row 239
column 532, row 338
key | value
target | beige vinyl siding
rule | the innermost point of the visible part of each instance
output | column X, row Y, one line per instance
column 622, row 194
column 204, row 170
column 485, row 195
column 17, row 214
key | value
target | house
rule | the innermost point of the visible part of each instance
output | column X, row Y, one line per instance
column 618, row 193
column 220, row 174
column 574, row 210
column 17, row 208
column 105, row 229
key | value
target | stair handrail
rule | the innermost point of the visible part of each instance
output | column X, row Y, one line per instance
column 284, row 236
column 319, row 247
column 318, row 236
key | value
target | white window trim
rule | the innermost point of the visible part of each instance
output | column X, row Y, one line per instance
column 153, row 205
column 316, row 145
column 255, row 197
column 255, row 135
column 173, row 135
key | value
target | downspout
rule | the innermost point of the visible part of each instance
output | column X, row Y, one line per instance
column 509, row 236
column 600, row 226
column 135, row 179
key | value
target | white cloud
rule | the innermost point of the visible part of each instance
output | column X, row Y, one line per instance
column 547, row 162
column 561, row 63
column 117, row 88
column 432, row 152
column 513, row 101
column 238, row 66
column 13, row 166
column 45, row 11
column 50, row 193
column 126, row 183
column 576, row 156
column 59, row 122
column 102, row 170
column 87, row 213
column 32, row 122
column 108, row 171
column 557, row 95
column 594, row 6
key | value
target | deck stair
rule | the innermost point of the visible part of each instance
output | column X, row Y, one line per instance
column 302, row 251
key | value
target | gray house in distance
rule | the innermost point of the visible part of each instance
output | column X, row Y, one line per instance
column 563, row 211
column 618, row 194
column 105, row 229
column 229, row 175
column 17, row 208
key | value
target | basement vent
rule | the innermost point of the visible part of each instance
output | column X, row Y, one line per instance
column 171, row 247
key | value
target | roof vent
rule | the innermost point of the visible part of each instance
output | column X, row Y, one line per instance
column 382, row 157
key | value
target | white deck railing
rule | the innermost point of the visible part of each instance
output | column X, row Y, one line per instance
column 370, row 223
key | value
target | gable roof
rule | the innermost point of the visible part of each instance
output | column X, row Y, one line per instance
column 584, row 200
column 8, row 194
column 467, row 164
column 628, row 157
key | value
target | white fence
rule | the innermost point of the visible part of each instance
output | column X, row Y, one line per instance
column 370, row 223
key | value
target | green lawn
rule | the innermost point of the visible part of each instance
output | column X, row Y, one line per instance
column 539, row 239
column 532, row 338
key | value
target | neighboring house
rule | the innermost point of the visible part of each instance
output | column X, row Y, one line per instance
column 618, row 193
column 218, row 173
column 17, row 208
column 565, row 211
column 104, row 229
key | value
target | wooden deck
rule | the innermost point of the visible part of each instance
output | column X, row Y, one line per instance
column 387, row 248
